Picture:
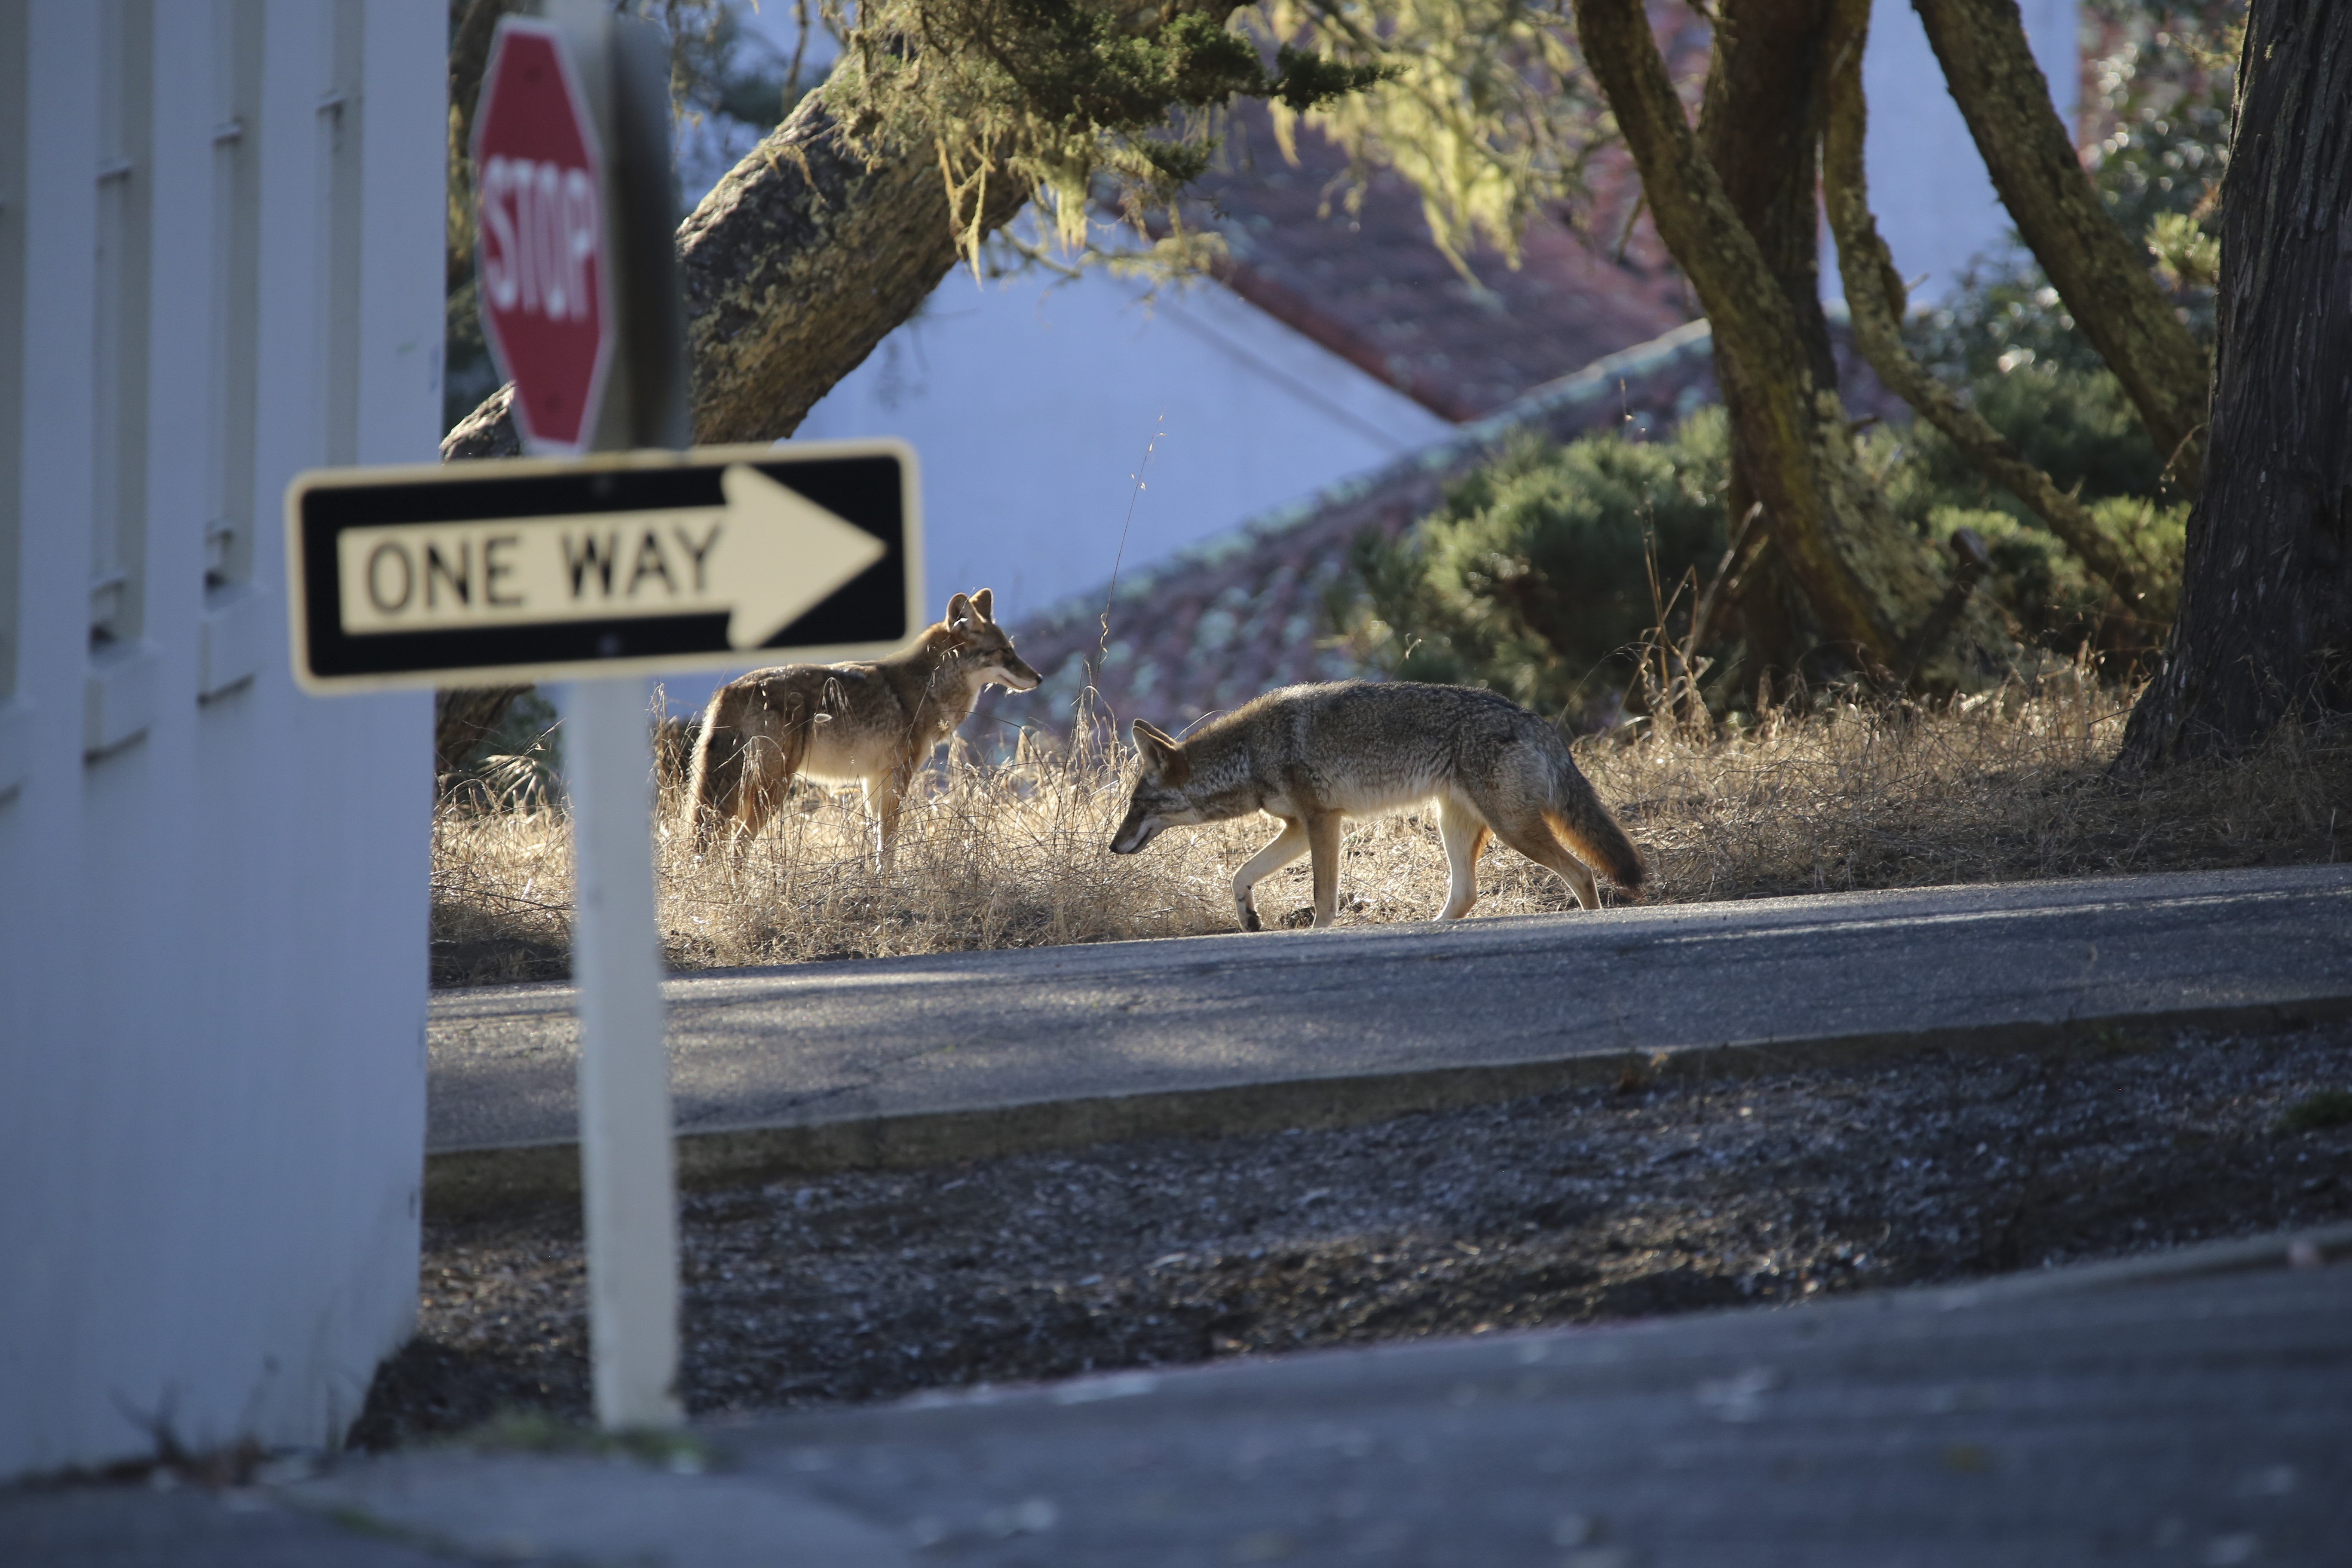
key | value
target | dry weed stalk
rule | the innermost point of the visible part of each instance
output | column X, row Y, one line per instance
column 2007, row 786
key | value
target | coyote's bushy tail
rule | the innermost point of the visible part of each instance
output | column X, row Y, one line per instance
column 1575, row 814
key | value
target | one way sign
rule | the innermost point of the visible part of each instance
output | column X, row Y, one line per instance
column 630, row 562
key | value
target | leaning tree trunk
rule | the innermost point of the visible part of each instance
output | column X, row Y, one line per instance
column 1759, row 125
column 2265, row 631
column 794, row 267
column 2102, row 275
column 1865, row 578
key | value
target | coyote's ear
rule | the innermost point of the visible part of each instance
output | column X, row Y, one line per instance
column 984, row 601
column 1161, row 752
column 958, row 610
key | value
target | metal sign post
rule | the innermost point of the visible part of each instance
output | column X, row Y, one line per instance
column 600, row 569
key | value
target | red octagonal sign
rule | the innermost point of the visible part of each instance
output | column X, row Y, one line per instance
column 546, row 290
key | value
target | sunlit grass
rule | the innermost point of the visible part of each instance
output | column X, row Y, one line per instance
column 2012, row 785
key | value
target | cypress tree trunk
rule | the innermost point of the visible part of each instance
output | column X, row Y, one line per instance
column 2265, row 624
column 1875, row 295
column 1868, row 580
column 1759, row 125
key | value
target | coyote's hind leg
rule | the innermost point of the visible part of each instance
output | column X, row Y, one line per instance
column 1531, row 836
column 1287, row 845
column 775, row 744
column 1464, row 832
column 1323, row 830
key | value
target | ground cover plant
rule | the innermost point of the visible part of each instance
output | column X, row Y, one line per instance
column 1829, row 792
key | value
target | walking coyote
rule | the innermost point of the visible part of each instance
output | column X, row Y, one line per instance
column 870, row 724
column 1312, row 755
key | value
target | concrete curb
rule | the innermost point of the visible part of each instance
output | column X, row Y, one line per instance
column 465, row 1184
column 2312, row 1248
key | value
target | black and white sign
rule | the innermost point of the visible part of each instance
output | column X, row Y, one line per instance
column 636, row 562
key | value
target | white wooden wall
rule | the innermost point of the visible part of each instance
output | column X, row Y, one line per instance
column 220, row 263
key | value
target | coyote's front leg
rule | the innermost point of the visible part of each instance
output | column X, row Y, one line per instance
column 1288, row 846
column 884, row 797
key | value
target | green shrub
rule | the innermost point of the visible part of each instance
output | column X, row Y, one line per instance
column 1536, row 577
column 2076, row 426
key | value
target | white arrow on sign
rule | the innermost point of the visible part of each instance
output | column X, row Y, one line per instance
column 767, row 557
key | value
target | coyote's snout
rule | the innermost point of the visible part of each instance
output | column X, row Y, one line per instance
column 868, row 724
column 1313, row 755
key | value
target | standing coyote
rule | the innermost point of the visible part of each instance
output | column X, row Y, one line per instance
column 870, row 724
column 1311, row 755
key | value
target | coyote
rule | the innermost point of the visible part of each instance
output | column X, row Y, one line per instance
column 870, row 724
column 1311, row 755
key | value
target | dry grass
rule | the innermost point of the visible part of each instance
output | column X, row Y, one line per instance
column 2002, row 788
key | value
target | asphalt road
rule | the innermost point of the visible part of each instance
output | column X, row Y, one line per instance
column 2142, row 1412
column 987, row 1032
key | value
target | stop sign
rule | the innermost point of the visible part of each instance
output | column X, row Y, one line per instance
column 544, row 278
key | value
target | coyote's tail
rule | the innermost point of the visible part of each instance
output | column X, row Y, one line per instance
column 1575, row 814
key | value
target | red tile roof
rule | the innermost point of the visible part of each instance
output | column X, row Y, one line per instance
column 1364, row 278
column 1372, row 285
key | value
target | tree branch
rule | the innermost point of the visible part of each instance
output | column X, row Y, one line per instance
column 1875, row 298
column 2003, row 96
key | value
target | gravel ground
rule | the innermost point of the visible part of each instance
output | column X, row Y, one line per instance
column 1662, row 1196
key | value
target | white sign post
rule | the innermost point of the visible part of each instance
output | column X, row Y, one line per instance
column 539, row 114
column 628, row 1177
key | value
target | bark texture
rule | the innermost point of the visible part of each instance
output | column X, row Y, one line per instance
column 797, row 263
column 1759, row 125
column 1877, row 299
column 803, row 260
column 1867, row 579
column 2103, row 277
column 2265, row 624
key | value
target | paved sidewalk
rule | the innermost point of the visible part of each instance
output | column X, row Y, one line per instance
column 2150, row 1412
column 975, row 1053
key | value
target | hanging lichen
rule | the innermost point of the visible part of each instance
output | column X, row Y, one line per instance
column 1080, row 104
column 1486, row 108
